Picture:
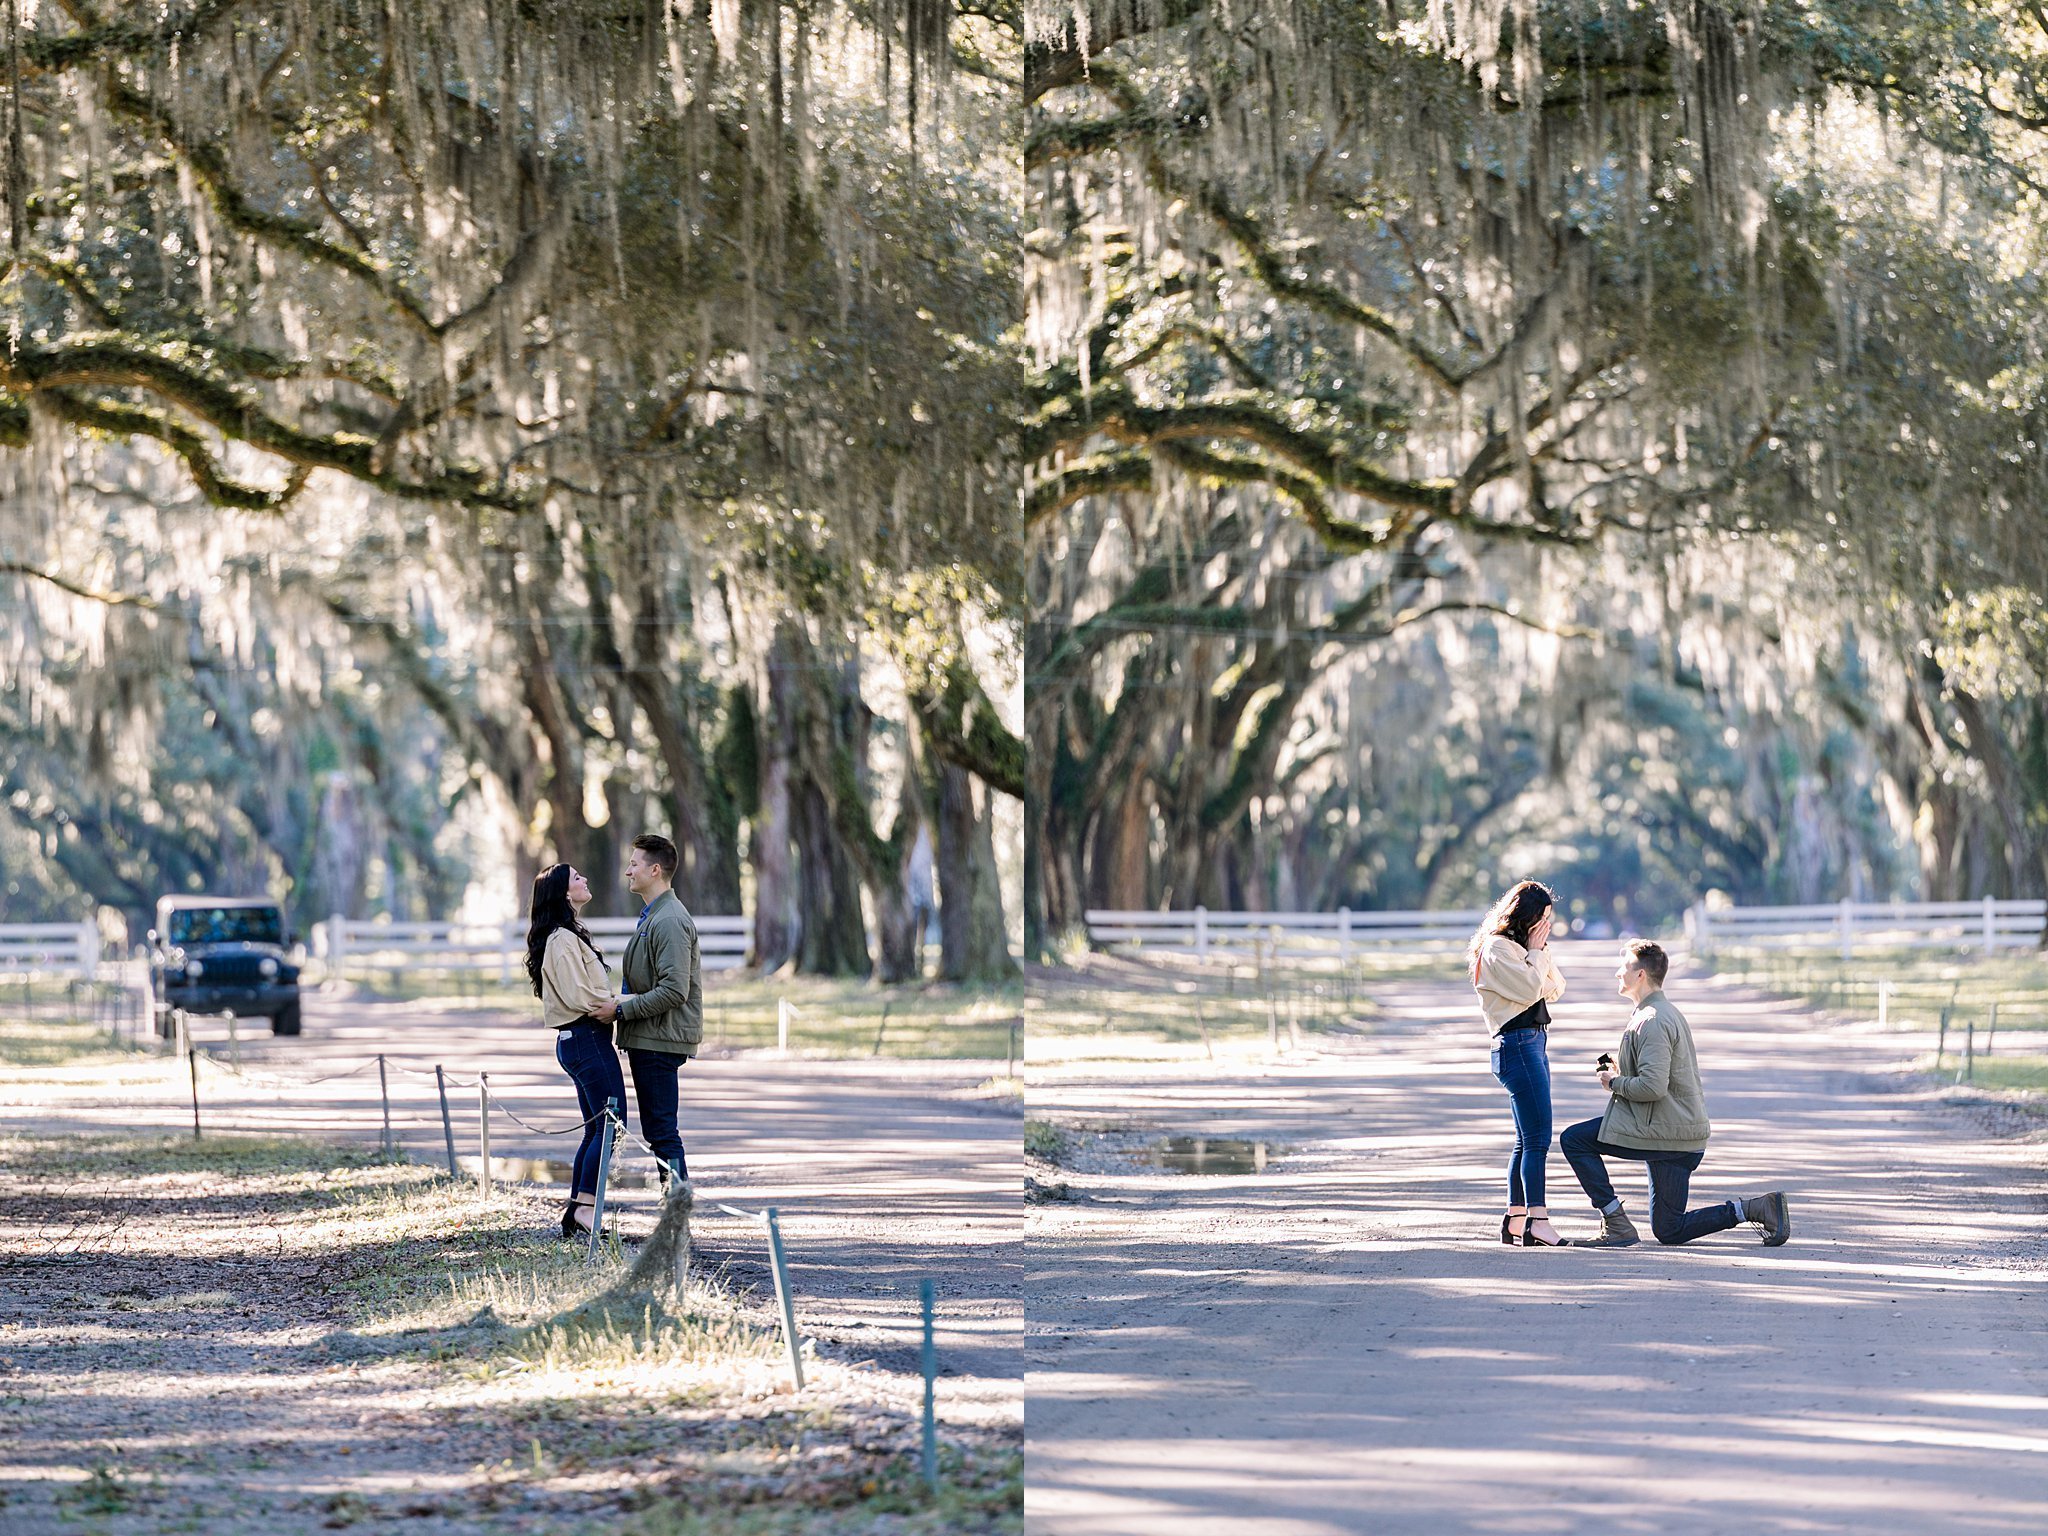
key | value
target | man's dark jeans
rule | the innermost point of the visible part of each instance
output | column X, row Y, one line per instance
column 654, row 1085
column 1670, row 1182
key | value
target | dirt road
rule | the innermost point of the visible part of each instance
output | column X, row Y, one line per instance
column 884, row 1171
column 1342, row 1345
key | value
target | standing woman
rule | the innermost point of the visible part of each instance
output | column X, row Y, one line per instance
column 568, row 977
column 1517, row 980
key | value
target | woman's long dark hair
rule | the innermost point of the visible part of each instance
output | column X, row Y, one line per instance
column 551, row 909
column 1513, row 916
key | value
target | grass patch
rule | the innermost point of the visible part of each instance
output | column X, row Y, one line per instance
column 831, row 1017
column 1043, row 1139
column 978, row 1495
column 48, row 1023
column 1920, row 986
column 1189, row 1005
column 2021, row 1074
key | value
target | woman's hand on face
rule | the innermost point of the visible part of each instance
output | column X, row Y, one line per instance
column 1539, row 936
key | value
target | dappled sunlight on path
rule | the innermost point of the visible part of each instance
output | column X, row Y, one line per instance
column 885, row 1171
column 1341, row 1344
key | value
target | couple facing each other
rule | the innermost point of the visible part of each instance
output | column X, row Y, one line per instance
column 1656, row 1112
column 657, row 1020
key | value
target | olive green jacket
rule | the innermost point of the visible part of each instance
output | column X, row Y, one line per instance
column 1658, row 1105
column 664, row 1006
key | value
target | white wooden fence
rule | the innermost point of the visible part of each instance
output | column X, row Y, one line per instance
column 50, row 949
column 1282, row 935
column 376, row 944
column 1985, row 925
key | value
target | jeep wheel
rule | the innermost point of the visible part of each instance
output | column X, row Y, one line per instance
column 287, row 1020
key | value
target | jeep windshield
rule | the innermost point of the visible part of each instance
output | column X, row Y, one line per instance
column 225, row 925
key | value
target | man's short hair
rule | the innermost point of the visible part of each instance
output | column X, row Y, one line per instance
column 659, row 850
column 1648, row 958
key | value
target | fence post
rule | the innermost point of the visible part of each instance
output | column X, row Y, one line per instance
column 930, row 1362
column 1991, row 1036
column 192, row 1062
column 483, row 1134
column 1941, row 1040
column 783, row 1298
column 1990, row 925
column 234, row 1042
column 384, row 1093
column 447, row 1124
column 89, row 948
column 1970, row 1049
column 1344, row 936
column 1848, row 929
column 1202, row 933
column 604, row 1174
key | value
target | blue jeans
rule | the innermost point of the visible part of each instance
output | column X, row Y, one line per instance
column 654, row 1083
column 1670, row 1182
column 1521, row 1060
column 586, row 1053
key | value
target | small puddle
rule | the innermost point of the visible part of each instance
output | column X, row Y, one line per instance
column 1214, row 1155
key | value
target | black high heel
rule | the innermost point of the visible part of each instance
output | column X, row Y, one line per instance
column 1511, row 1239
column 1531, row 1240
column 571, row 1227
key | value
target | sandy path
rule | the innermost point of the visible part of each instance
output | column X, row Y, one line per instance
column 1341, row 1344
column 884, row 1171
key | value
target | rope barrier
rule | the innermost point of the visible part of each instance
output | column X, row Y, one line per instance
column 213, row 1060
column 566, row 1130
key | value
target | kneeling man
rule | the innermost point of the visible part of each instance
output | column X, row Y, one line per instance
column 1658, row 1117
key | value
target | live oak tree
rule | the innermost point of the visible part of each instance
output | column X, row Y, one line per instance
column 1411, row 295
column 581, row 332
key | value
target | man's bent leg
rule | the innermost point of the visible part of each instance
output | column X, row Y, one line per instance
column 659, row 1096
column 1582, row 1147
column 1670, row 1183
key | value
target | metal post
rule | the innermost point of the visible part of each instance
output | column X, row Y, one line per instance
column 384, row 1093
column 1991, row 1036
column 483, row 1134
column 1941, row 1040
column 192, row 1061
column 1202, row 932
column 930, row 1362
column 604, row 1175
column 1848, row 929
column 1970, row 1049
column 1343, row 935
column 783, row 1299
column 447, row 1124
column 880, row 1030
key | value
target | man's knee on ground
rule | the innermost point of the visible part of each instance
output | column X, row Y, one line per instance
column 1669, row 1233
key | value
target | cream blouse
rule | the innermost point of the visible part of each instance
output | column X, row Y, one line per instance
column 1512, row 979
column 572, row 980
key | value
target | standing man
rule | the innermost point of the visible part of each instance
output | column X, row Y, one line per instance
column 660, row 1015
column 1657, row 1117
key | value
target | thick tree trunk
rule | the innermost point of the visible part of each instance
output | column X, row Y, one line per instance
column 973, row 939
column 833, row 939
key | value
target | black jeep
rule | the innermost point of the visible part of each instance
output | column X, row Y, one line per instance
column 210, row 954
